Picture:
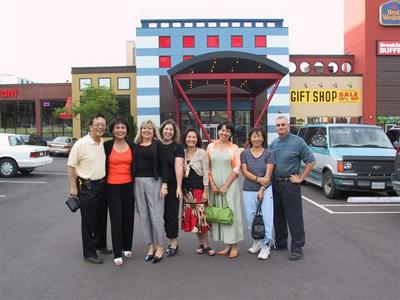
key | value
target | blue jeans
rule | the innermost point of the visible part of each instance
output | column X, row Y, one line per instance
column 267, row 208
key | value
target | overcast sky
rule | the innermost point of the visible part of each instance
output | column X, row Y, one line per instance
column 42, row 39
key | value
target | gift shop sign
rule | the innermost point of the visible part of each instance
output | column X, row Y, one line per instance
column 388, row 48
column 11, row 93
column 334, row 96
column 389, row 13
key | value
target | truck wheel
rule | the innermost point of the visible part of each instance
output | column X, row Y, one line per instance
column 329, row 186
column 8, row 167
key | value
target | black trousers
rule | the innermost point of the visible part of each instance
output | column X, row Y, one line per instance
column 121, row 200
column 101, row 240
column 171, row 211
column 90, row 204
column 288, row 211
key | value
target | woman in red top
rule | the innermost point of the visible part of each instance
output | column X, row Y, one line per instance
column 119, row 189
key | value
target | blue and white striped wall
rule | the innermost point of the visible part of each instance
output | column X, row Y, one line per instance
column 148, row 52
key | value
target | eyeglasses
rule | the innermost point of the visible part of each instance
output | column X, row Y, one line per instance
column 280, row 125
column 99, row 125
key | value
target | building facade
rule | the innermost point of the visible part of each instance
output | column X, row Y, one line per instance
column 28, row 109
column 164, row 44
column 324, row 89
column 372, row 35
column 121, row 79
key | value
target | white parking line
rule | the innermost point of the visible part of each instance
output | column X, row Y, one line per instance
column 15, row 181
column 323, row 207
column 2, row 196
column 317, row 205
column 350, row 205
column 51, row 173
column 364, row 212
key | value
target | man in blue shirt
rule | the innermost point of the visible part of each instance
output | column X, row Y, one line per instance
column 289, row 151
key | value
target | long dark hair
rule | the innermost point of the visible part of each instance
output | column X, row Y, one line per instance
column 177, row 134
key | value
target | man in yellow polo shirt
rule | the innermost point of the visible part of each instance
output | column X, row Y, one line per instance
column 86, row 171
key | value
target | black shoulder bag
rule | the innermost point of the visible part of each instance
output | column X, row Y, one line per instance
column 257, row 227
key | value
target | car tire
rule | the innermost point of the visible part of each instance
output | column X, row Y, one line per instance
column 26, row 171
column 8, row 167
column 392, row 193
column 329, row 186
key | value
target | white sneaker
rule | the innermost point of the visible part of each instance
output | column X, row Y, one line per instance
column 128, row 254
column 264, row 253
column 255, row 247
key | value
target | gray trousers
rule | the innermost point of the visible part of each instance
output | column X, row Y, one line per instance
column 150, row 208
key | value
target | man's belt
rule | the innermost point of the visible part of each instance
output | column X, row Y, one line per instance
column 88, row 183
column 92, row 181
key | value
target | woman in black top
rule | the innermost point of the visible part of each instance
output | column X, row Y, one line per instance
column 150, row 188
column 174, row 156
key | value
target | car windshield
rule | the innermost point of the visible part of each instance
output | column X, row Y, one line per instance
column 62, row 140
column 359, row 137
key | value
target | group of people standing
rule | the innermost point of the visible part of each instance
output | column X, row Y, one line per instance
column 157, row 170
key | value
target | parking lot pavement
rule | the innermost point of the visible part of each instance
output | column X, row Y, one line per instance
column 313, row 195
column 345, row 257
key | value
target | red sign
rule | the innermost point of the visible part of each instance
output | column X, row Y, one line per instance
column 11, row 93
column 388, row 48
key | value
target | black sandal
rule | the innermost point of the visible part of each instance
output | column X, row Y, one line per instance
column 210, row 251
column 200, row 250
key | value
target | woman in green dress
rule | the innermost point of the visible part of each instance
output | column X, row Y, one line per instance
column 224, row 157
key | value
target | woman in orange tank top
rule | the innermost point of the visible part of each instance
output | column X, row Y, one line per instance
column 119, row 189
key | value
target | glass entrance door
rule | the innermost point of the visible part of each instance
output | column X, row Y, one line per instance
column 211, row 130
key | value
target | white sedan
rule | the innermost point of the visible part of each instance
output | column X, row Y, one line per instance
column 15, row 156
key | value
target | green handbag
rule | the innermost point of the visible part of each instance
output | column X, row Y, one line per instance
column 221, row 215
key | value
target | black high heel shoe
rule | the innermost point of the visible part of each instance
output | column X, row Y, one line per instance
column 157, row 259
column 172, row 251
column 149, row 257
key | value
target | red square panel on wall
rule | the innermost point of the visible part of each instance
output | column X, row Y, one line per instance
column 237, row 41
column 165, row 61
column 164, row 42
column 187, row 57
column 213, row 41
column 260, row 41
column 188, row 42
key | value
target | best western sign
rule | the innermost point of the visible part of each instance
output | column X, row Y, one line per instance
column 11, row 93
column 388, row 48
column 323, row 96
column 389, row 13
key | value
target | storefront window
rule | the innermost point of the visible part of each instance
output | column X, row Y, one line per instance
column 341, row 120
column 17, row 117
column 242, row 121
column 51, row 125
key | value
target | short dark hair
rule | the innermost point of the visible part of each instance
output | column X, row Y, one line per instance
column 119, row 120
column 95, row 117
column 228, row 125
column 199, row 141
column 256, row 130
